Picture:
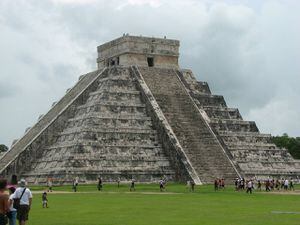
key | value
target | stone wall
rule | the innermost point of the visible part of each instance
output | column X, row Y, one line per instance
column 252, row 153
column 134, row 50
column 18, row 159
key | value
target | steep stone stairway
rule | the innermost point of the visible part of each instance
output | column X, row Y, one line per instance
column 252, row 152
column 199, row 143
column 110, row 135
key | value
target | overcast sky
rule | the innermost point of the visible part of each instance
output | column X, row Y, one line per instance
column 248, row 51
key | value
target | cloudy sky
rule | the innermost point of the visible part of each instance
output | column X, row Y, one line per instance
column 247, row 50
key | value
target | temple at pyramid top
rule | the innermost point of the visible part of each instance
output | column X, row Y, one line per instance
column 138, row 50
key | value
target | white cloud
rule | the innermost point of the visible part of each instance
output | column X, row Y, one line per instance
column 74, row 1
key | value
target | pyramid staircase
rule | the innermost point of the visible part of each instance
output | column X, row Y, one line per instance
column 198, row 141
column 253, row 153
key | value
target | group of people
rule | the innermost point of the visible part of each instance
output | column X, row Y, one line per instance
column 162, row 184
column 100, row 184
column 219, row 184
column 15, row 203
column 269, row 184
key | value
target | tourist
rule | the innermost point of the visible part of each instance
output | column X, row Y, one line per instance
column 4, row 207
column 267, row 185
column 249, row 187
column 192, row 185
column 99, row 184
column 242, row 186
column 188, row 185
column 222, row 183
column 49, row 184
column 282, row 184
column 12, row 214
column 74, row 185
column 24, row 194
column 258, row 185
column 216, row 183
column 272, row 184
column 118, row 181
column 292, row 184
column 132, row 186
column 286, row 184
column 236, row 184
column 45, row 200
column 161, row 185
column 277, row 184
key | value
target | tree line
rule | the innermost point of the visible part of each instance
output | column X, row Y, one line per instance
column 292, row 144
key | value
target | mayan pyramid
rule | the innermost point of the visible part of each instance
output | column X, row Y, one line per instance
column 140, row 116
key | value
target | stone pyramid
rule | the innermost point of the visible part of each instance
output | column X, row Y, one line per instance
column 139, row 116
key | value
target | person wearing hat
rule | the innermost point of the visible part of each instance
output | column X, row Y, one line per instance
column 24, row 194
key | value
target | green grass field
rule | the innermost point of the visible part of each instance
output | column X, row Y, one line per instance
column 176, row 206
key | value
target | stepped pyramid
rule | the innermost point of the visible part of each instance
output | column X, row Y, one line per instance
column 140, row 116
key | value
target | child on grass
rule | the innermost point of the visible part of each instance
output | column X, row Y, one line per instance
column 45, row 200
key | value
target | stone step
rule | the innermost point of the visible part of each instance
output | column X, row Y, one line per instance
column 187, row 124
column 111, row 103
column 111, row 123
column 251, row 147
column 209, row 100
column 234, row 125
column 81, row 143
column 111, row 116
column 112, row 92
column 242, row 134
column 115, row 130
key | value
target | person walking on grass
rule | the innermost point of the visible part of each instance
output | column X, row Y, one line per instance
column 75, row 184
column 292, row 184
column 100, row 183
column 161, row 185
column 45, row 200
column 192, row 185
column 12, row 214
column 118, row 181
column 249, row 187
column 216, row 183
column 25, row 196
column 4, row 207
column 259, row 185
column 49, row 184
column 132, row 186
column 286, row 184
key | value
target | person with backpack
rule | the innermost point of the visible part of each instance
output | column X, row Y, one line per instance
column 22, row 202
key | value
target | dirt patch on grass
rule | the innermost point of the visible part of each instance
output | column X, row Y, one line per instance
column 107, row 192
column 297, row 192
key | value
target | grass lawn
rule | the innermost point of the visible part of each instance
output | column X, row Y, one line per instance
column 147, row 205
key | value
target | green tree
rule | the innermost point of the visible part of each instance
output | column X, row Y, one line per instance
column 3, row 148
column 290, row 143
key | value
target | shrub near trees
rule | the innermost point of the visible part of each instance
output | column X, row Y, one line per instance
column 3, row 148
column 292, row 144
